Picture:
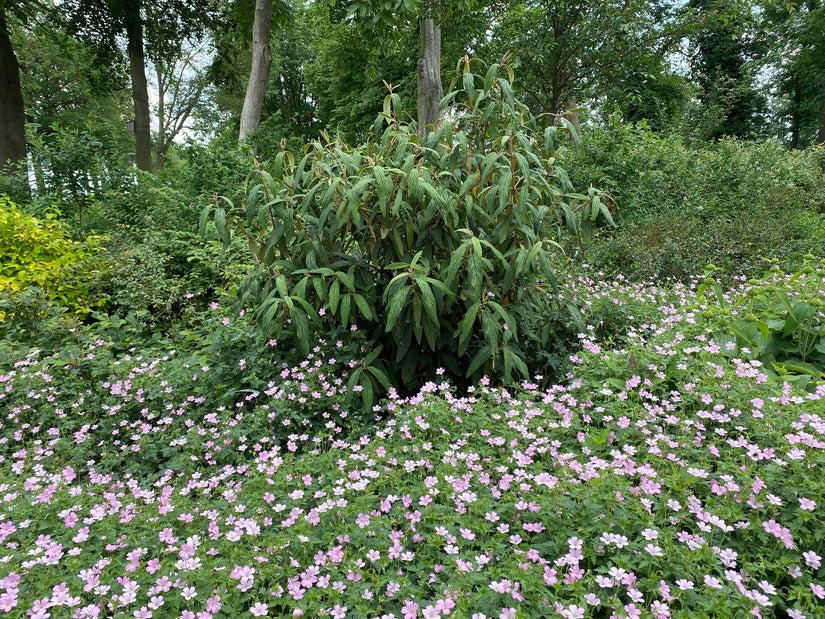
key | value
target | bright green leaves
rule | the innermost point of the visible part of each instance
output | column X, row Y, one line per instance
column 437, row 250
column 36, row 253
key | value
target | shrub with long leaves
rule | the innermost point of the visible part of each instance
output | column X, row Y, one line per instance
column 437, row 247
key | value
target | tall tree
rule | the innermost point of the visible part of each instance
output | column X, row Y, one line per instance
column 386, row 19
column 288, row 109
column 569, row 52
column 12, row 112
column 152, row 29
column 796, row 59
column 430, row 90
column 180, row 85
column 130, row 13
column 62, row 84
column 235, row 69
column 287, row 95
column 727, row 92
column 346, row 70
column 261, row 66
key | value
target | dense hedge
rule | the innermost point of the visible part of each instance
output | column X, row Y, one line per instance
column 734, row 204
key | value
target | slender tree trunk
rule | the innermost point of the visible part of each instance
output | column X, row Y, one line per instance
column 259, row 76
column 820, row 136
column 796, row 113
column 160, row 151
column 140, row 91
column 430, row 90
column 569, row 106
column 39, row 175
column 12, row 112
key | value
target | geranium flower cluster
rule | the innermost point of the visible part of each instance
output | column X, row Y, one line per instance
column 667, row 476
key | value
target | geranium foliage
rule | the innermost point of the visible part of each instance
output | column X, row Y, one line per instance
column 672, row 474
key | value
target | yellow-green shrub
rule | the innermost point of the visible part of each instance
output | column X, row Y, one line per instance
column 38, row 253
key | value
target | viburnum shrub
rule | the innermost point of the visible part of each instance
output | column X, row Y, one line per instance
column 437, row 248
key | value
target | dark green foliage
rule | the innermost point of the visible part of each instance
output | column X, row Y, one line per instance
column 569, row 53
column 438, row 251
column 147, row 278
column 650, row 174
column 156, row 279
column 196, row 171
column 73, row 170
column 64, row 84
column 347, row 70
column 792, row 34
column 731, row 203
column 672, row 247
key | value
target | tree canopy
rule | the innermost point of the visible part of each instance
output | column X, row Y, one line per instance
column 686, row 68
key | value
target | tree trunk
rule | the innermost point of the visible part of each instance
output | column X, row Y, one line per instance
column 430, row 91
column 12, row 112
column 820, row 136
column 161, row 148
column 140, row 92
column 796, row 113
column 259, row 76
column 570, row 106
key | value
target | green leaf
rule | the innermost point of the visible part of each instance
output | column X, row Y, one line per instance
column 416, row 302
column 380, row 376
column 347, row 280
column 345, row 307
column 465, row 327
column 456, row 260
column 203, row 220
column 440, row 285
column 334, row 296
column 396, row 306
column 468, row 183
column 570, row 219
column 480, row 358
column 513, row 359
column 798, row 313
column 468, row 83
column 383, row 181
column 595, row 207
column 280, row 285
column 220, row 225
column 368, row 392
column 428, row 300
column 363, row 307
column 749, row 332
column 504, row 185
column 798, row 367
column 299, row 319
column 372, row 356
column 413, row 182
column 269, row 310
column 353, row 379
